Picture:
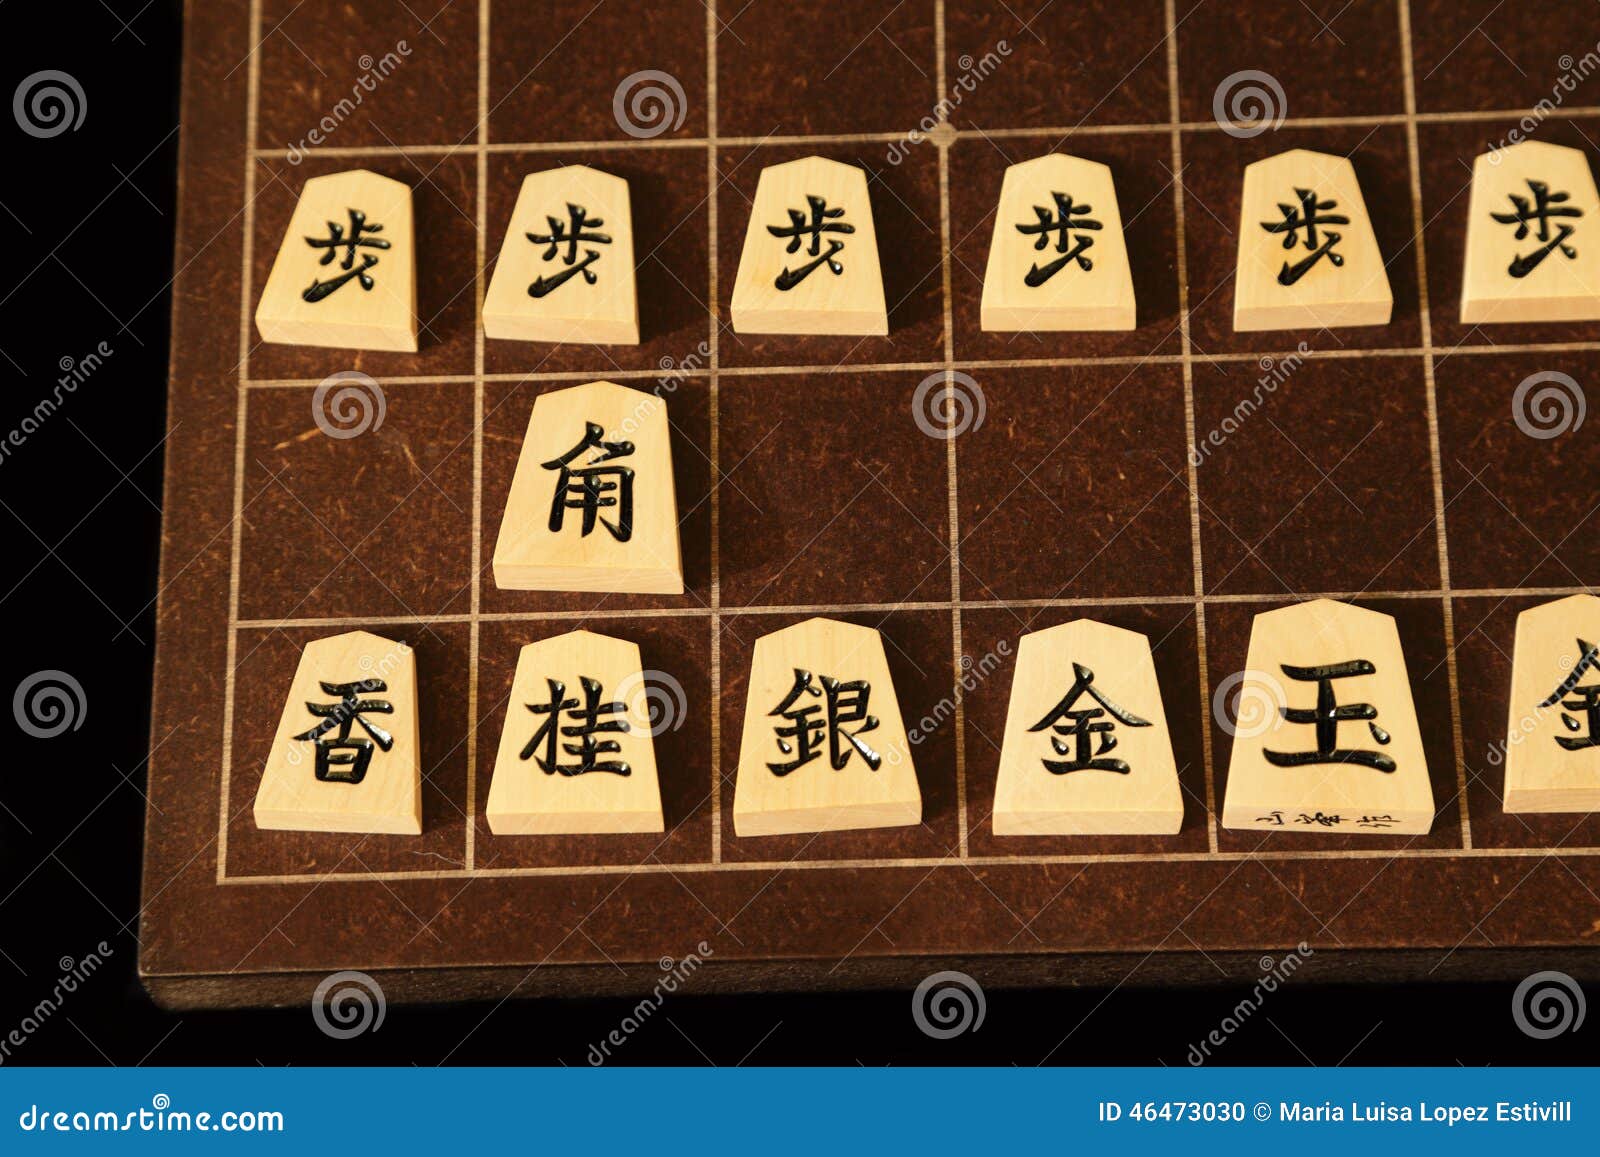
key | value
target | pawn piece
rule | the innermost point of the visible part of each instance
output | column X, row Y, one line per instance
column 592, row 505
column 824, row 747
column 810, row 259
column 1553, row 735
column 1308, row 257
column 345, row 757
column 1533, row 237
column 346, row 273
column 1326, row 738
column 566, row 271
column 1086, row 748
column 1057, row 260
column 576, row 754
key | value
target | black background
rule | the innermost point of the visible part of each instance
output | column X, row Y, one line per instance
column 87, row 219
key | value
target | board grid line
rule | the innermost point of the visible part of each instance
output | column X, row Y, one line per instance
column 483, row 148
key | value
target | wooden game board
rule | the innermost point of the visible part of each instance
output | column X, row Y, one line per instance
column 1386, row 468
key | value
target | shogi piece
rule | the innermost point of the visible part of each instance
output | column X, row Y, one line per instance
column 1057, row 260
column 1308, row 257
column 346, row 754
column 1553, row 734
column 592, row 506
column 565, row 272
column 1337, row 747
column 1533, row 237
column 576, row 755
column 824, row 747
column 810, row 260
column 1086, row 748
column 346, row 273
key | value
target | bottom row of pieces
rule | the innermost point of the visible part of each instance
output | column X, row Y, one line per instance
column 1325, row 734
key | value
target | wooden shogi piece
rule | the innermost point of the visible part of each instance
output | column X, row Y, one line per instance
column 807, row 281
column 1521, row 264
column 1078, row 667
column 1551, row 765
column 1332, row 283
column 816, row 796
column 371, row 673
column 631, row 545
column 324, row 291
column 566, row 267
column 1343, row 796
column 530, row 794
column 1040, row 277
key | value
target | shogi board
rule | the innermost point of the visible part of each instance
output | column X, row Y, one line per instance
column 1383, row 465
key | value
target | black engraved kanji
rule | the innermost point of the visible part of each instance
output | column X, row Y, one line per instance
column 842, row 703
column 336, row 240
column 1070, row 246
column 570, row 233
column 579, row 734
column 345, row 758
column 1299, row 226
column 1539, row 211
column 594, row 485
column 1587, row 702
column 1083, row 725
column 822, row 220
column 1327, row 715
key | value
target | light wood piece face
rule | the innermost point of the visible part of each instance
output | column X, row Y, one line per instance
column 1308, row 257
column 592, row 505
column 824, row 747
column 346, row 273
column 1057, row 260
column 1335, row 746
column 576, row 753
column 1533, row 237
column 810, row 259
column 1086, row 748
column 345, row 756
column 566, row 272
column 1553, row 734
